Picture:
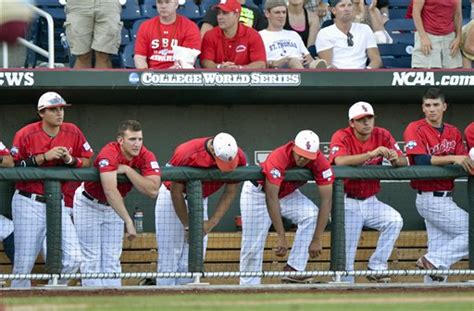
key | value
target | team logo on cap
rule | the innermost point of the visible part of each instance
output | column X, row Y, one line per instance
column 308, row 145
column 411, row 144
column 365, row 108
column 275, row 173
column 103, row 163
column 14, row 150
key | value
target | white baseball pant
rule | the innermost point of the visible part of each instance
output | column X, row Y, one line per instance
column 256, row 222
column 70, row 246
column 6, row 227
column 447, row 226
column 373, row 214
column 29, row 219
column 100, row 231
column 173, row 248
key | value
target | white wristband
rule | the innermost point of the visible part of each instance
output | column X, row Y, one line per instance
column 368, row 67
column 70, row 160
column 219, row 66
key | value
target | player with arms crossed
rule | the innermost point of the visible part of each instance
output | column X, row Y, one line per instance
column 430, row 141
column 99, row 208
column 46, row 143
column 364, row 144
column 264, row 202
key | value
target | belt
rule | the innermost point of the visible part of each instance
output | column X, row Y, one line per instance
column 355, row 198
column 257, row 185
column 438, row 193
column 91, row 198
column 36, row 197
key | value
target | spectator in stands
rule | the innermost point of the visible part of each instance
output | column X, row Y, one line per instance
column 346, row 44
column 6, row 225
column 15, row 16
column 232, row 45
column 304, row 22
column 285, row 48
column 431, row 141
column 250, row 16
column 371, row 15
column 467, row 44
column 157, row 37
column 265, row 201
column 364, row 144
column 438, row 33
column 93, row 26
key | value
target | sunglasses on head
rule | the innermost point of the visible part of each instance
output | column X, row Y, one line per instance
column 350, row 42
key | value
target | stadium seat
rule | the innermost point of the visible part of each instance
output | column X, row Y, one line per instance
column 396, row 62
column 397, row 13
column 126, row 39
column 400, row 25
column 53, row 7
column 131, row 11
column 135, row 27
column 149, row 9
column 208, row 4
column 397, row 55
column 190, row 10
column 126, row 57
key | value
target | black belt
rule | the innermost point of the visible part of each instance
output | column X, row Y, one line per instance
column 91, row 198
column 37, row 197
column 438, row 193
column 355, row 198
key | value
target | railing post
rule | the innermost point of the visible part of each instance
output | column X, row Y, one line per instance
column 470, row 193
column 338, row 244
column 196, row 225
column 52, row 192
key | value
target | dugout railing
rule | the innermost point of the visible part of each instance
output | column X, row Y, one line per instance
column 193, row 177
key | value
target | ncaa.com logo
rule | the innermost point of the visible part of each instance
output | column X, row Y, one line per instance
column 133, row 78
column 17, row 78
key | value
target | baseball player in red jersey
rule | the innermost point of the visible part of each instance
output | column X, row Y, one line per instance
column 6, row 225
column 157, row 37
column 430, row 141
column 46, row 143
column 364, row 144
column 264, row 202
column 171, row 214
column 231, row 44
column 99, row 208
column 469, row 133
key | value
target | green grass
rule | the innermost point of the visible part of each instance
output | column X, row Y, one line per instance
column 275, row 302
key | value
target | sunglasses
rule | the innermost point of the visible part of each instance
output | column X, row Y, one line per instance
column 350, row 42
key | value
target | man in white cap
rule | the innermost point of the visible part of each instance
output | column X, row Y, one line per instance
column 363, row 144
column 264, row 202
column 46, row 143
column 171, row 215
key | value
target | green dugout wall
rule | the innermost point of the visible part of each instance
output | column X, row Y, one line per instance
column 262, row 110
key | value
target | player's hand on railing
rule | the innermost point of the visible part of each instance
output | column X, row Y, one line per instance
column 55, row 153
column 465, row 162
column 315, row 248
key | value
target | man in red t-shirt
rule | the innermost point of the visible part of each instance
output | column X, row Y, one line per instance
column 6, row 225
column 99, row 208
column 232, row 44
column 364, row 144
column 157, row 37
column 430, row 141
column 171, row 216
column 264, row 202
column 46, row 143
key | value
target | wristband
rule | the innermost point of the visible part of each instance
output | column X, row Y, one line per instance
column 78, row 162
column 219, row 66
column 71, row 159
column 368, row 67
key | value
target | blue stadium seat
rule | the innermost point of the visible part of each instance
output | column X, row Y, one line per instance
column 397, row 62
column 208, row 4
column 400, row 25
column 149, row 9
column 126, row 39
column 397, row 55
column 135, row 27
column 53, row 7
column 397, row 13
column 399, row 3
column 131, row 11
column 126, row 57
column 190, row 10
column 404, row 37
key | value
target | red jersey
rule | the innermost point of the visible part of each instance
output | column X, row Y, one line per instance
column 32, row 140
column 108, row 160
column 281, row 159
column 194, row 153
column 469, row 133
column 155, row 40
column 244, row 48
column 422, row 138
column 437, row 16
column 344, row 142
column 3, row 150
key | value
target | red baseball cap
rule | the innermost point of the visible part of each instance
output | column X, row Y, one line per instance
column 229, row 6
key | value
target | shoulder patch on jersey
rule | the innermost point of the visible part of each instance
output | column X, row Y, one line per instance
column 103, row 163
column 411, row 144
column 275, row 173
column 86, row 146
column 2, row 146
column 397, row 146
column 14, row 150
column 154, row 165
column 327, row 173
column 334, row 149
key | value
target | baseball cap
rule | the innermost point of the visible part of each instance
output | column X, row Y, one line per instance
column 270, row 4
column 307, row 144
column 333, row 3
column 360, row 110
column 228, row 6
column 225, row 149
column 51, row 100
